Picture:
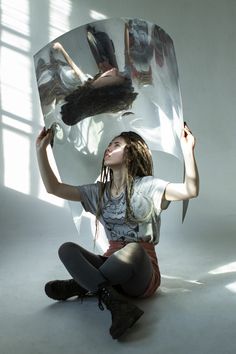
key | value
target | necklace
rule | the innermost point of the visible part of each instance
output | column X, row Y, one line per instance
column 118, row 189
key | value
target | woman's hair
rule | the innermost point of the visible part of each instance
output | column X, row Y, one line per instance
column 138, row 162
column 87, row 101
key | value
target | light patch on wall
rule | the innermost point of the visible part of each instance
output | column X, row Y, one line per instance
column 16, row 98
column 97, row 15
column 101, row 242
column 43, row 194
column 89, row 219
column 16, row 83
column 16, row 161
column 59, row 16
column 15, row 41
column 16, row 125
column 16, row 94
column 15, row 15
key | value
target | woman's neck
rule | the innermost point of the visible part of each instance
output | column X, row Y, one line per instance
column 118, row 182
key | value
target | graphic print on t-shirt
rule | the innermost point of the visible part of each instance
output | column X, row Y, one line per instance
column 114, row 218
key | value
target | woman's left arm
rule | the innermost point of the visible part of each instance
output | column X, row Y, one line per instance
column 190, row 187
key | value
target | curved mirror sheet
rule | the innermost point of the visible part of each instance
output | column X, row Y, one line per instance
column 103, row 78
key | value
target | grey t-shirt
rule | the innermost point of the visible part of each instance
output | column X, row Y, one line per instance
column 146, row 206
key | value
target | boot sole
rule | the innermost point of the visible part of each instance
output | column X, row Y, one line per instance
column 54, row 294
column 135, row 316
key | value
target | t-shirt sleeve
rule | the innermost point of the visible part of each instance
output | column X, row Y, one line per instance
column 89, row 197
column 154, row 188
column 159, row 188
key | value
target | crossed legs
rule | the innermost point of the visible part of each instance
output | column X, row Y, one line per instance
column 129, row 267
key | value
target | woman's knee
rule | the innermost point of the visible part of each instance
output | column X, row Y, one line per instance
column 137, row 255
column 66, row 249
column 134, row 248
column 132, row 253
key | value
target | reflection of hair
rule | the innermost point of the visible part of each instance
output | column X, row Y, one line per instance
column 138, row 161
column 87, row 101
column 101, row 46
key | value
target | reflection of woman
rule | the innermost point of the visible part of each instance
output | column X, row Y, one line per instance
column 128, row 202
column 138, row 51
column 107, row 92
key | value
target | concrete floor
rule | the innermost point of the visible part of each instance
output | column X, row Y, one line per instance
column 192, row 312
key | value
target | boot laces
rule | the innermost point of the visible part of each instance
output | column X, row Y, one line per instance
column 104, row 297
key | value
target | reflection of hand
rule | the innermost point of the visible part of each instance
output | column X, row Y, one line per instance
column 187, row 139
column 44, row 139
column 57, row 46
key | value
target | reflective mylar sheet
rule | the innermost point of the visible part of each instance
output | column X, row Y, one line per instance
column 136, row 49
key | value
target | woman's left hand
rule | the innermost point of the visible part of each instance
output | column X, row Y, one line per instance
column 187, row 139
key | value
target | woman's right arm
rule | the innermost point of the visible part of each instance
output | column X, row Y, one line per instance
column 51, row 183
column 77, row 70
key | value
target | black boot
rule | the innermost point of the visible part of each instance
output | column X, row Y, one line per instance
column 64, row 289
column 123, row 313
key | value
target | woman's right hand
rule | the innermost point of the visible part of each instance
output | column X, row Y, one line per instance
column 44, row 139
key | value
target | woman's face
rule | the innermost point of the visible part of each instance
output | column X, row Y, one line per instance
column 114, row 154
column 109, row 78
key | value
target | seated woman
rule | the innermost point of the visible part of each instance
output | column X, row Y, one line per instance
column 128, row 201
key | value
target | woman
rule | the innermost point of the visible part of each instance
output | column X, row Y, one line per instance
column 128, row 201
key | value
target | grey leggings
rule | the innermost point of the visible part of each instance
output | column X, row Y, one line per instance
column 129, row 267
